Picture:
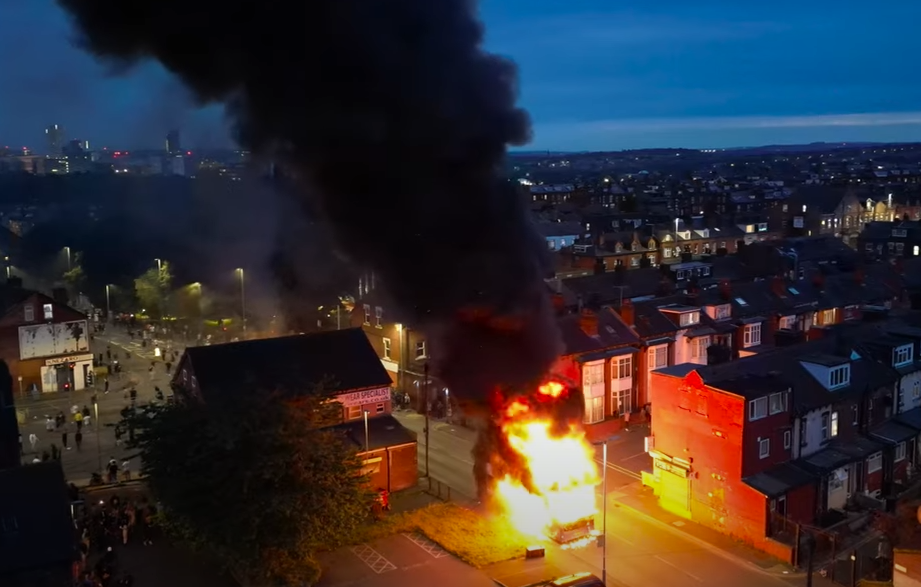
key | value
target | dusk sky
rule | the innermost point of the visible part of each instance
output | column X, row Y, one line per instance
column 595, row 74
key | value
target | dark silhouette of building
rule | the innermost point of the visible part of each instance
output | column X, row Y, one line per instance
column 9, row 427
column 173, row 144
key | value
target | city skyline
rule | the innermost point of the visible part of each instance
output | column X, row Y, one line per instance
column 593, row 78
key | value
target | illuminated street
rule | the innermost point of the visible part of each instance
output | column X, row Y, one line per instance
column 641, row 551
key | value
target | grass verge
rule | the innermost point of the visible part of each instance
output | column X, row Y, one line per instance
column 464, row 533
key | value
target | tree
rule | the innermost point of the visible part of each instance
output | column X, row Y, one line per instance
column 257, row 482
column 74, row 277
column 152, row 288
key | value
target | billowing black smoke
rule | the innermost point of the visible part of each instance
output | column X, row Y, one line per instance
column 397, row 122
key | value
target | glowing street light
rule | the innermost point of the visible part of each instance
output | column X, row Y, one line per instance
column 108, row 305
column 67, row 252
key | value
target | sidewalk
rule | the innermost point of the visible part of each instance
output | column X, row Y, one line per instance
column 641, row 502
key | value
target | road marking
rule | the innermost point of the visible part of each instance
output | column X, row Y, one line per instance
column 620, row 470
column 622, row 539
column 373, row 559
column 674, row 566
column 426, row 545
column 639, row 454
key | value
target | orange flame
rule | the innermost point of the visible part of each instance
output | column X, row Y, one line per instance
column 560, row 466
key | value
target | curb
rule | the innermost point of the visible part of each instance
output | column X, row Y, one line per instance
column 706, row 545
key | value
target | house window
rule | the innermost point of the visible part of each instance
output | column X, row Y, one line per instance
column 420, row 349
column 916, row 250
column 828, row 316
column 900, row 452
column 764, row 448
column 741, row 302
column 379, row 409
column 834, row 424
column 29, row 312
column 668, row 252
column 787, row 439
column 788, row 322
column 856, row 409
column 593, row 374
column 378, row 315
column 757, row 408
column 902, row 355
column 752, row 334
column 658, row 357
column 624, row 368
column 367, row 310
column 722, row 244
column 825, row 419
column 594, row 409
column 916, row 390
column 48, row 311
column 839, row 376
column 699, row 347
column 353, row 412
column 722, row 312
column 387, row 349
column 634, row 261
column 622, row 400
column 875, row 462
column 689, row 318
column 778, row 403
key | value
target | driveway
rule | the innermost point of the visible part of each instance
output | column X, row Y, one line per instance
column 398, row 561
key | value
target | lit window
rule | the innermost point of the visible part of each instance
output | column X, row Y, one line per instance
column 48, row 311
column 900, row 451
column 593, row 374
column 624, row 367
column 594, row 409
column 353, row 412
column 29, row 312
column 379, row 409
column 916, row 250
column 387, row 348
column 828, row 317
column 689, row 318
column 367, row 310
column 834, row 424
column 378, row 315
column 658, row 357
column 722, row 312
column 764, row 447
column 420, row 349
column 788, row 323
column 699, row 347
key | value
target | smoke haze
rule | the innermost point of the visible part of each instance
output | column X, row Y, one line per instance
column 397, row 123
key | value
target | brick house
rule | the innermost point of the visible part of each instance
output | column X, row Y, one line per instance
column 342, row 362
column 44, row 342
column 792, row 434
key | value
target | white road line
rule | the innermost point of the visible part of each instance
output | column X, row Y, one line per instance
column 620, row 470
column 622, row 539
column 373, row 559
column 676, row 567
column 427, row 545
column 639, row 454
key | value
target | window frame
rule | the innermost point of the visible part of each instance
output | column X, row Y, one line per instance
column 29, row 313
column 900, row 448
column 787, row 439
column 421, row 346
column 388, row 348
column 764, row 448
column 753, row 408
column 367, row 310
column 749, row 338
column 876, row 458
column 781, row 405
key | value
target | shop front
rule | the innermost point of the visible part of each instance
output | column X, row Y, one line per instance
column 66, row 373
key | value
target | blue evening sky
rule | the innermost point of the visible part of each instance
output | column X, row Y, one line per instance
column 595, row 74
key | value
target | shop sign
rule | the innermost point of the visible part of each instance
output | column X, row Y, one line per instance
column 70, row 359
column 671, row 468
column 360, row 398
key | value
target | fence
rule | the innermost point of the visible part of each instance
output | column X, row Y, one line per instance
column 440, row 490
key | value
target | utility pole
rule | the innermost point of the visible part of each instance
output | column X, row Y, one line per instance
column 425, row 387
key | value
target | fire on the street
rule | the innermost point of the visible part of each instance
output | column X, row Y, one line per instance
column 555, row 493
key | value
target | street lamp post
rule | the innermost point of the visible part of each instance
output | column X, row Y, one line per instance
column 108, row 306
column 67, row 251
column 425, row 386
column 243, row 296
column 367, row 436
column 603, row 538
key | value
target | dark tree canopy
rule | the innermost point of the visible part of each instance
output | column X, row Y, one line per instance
column 257, row 483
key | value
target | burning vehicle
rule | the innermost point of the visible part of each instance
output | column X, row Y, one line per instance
column 537, row 467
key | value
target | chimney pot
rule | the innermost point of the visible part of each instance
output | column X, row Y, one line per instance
column 627, row 313
column 588, row 320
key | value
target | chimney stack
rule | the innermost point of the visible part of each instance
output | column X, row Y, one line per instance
column 779, row 286
column 588, row 320
column 627, row 313
column 725, row 290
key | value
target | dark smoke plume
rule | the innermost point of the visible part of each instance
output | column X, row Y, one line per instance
column 397, row 123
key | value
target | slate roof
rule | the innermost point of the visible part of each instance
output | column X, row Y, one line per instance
column 383, row 431
column 36, row 528
column 343, row 360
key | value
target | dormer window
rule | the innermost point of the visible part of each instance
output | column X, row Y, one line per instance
column 793, row 291
column 902, row 355
column 839, row 376
column 689, row 318
column 741, row 302
column 722, row 312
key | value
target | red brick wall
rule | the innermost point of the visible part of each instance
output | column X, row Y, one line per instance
column 874, row 480
column 801, row 503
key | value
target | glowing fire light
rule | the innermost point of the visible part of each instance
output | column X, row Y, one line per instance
column 559, row 467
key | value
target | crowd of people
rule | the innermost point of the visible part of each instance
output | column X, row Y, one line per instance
column 104, row 528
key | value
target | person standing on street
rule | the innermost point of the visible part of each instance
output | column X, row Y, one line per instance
column 64, row 438
column 33, row 440
column 107, row 385
column 78, row 439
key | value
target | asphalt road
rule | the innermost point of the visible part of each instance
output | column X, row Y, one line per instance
column 641, row 552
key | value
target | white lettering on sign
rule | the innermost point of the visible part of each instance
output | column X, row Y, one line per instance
column 369, row 396
column 72, row 359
